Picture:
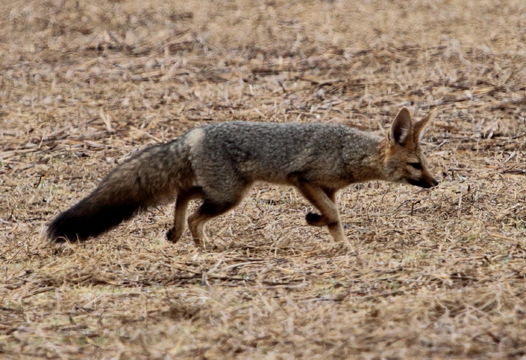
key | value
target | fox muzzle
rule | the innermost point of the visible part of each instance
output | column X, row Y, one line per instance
column 423, row 182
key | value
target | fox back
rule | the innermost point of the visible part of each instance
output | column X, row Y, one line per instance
column 273, row 152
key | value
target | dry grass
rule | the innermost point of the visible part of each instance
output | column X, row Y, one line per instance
column 434, row 274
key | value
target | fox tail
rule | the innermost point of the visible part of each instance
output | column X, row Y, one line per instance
column 145, row 180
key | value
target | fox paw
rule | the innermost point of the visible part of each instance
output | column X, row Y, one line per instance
column 314, row 219
column 170, row 235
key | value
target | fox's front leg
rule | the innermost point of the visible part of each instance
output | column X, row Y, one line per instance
column 315, row 219
column 323, row 201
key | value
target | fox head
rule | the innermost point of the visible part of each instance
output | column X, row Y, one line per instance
column 404, row 161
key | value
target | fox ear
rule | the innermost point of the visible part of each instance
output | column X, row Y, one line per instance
column 401, row 129
column 420, row 126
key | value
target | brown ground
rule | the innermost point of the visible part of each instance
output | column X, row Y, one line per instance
column 433, row 275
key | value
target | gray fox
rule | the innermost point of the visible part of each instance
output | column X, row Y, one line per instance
column 219, row 162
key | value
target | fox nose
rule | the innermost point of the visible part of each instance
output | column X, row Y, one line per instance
column 434, row 183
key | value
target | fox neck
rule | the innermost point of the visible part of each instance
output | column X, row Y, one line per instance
column 380, row 160
column 375, row 163
column 371, row 166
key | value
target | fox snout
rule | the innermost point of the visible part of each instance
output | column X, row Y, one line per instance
column 425, row 182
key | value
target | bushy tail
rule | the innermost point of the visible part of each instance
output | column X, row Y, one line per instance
column 91, row 217
column 145, row 180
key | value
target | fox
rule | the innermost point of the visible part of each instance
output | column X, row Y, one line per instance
column 219, row 162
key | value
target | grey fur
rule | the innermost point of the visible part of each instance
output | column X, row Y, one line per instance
column 325, row 154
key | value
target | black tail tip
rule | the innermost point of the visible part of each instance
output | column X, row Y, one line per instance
column 90, row 219
column 73, row 225
column 60, row 231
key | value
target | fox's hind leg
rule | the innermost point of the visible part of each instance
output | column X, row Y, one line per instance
column 208, row 210
column 181, row 204
column 218, row 197
column 324, row 203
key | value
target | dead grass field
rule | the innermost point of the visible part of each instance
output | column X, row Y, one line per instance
column 434, row 274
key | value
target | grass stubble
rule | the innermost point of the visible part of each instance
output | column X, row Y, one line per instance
column 432, row 274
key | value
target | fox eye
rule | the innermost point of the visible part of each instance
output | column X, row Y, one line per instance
column 416, row 165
